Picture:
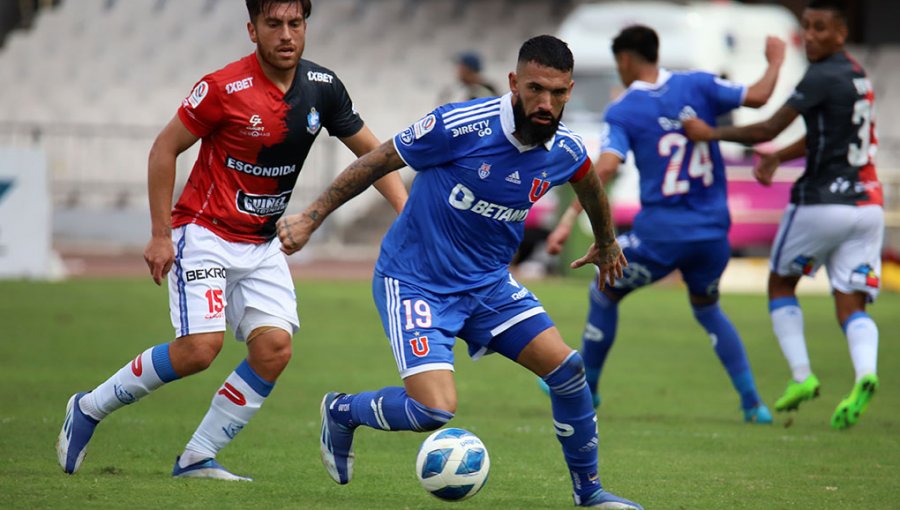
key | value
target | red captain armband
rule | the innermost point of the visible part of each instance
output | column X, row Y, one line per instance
column 582, row 170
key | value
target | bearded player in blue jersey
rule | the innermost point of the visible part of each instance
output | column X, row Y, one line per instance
column 443, row 271
column 683, row 223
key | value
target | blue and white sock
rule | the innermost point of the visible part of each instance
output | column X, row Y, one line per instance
column 730, row 350
column 575, row 423
column 862, row 338
column 232, row 407
column 599, row 334
column 787, row 323
column 145, row 373
column 387, row 409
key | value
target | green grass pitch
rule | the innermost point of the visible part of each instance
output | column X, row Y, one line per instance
column 671, row 435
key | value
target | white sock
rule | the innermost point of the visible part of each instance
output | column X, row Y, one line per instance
column 133, row 381
column 189, row 457
column 862, row 338
column 787, row 322
column 239, row 398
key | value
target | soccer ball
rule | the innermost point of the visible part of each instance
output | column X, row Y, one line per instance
column 452, row 464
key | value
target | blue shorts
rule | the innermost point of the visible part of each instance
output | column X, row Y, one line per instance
column 422, row 326
column 701, row 263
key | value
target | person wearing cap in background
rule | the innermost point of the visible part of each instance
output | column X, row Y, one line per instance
column 470, row 84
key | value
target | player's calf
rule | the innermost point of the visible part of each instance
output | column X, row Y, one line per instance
column 386, row 409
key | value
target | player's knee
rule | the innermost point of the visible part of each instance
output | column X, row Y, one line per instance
column 428, row 418
column 568, row 378
column 704, row 310
column 280, row 355
column 195, row 353
column 270, row 351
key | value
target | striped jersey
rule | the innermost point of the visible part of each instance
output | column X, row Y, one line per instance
column 475, row 184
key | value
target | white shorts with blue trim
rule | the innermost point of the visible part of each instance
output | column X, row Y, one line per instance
column 846, row 239
column 214, row 282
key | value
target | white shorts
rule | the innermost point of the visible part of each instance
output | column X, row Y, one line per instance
column 214, row 282
column 846, row 239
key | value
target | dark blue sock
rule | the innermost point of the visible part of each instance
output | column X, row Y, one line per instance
column 730, row 350
column 576, row 423
column 387, row 409
column 599, row 334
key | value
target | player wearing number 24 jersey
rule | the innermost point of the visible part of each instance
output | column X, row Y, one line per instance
column 682, row 184
column 835, row 217
column 683, row 222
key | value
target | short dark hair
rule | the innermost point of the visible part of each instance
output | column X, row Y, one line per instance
column 838, row 7
column 255, row 7
column 547, row 51
column 638, row 39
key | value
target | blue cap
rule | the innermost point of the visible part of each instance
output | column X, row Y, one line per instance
column 471, row 60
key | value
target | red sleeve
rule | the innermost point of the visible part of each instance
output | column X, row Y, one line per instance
column 202, row 110
column 582, row 170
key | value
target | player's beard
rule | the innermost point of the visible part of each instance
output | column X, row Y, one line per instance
column 530, row 132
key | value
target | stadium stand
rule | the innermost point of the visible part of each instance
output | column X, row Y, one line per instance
column 94, row 81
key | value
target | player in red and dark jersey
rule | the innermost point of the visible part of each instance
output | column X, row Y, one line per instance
column 835, row 217
column 257, row 119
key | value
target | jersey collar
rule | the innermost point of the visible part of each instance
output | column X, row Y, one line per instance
column 661, row 80
column 508, row 123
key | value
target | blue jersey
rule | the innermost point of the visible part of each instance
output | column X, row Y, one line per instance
column 476, row 182
column 683, row 191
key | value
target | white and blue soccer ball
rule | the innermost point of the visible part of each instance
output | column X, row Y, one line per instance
column 452, row 464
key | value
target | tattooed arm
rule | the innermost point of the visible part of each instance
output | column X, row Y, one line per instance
column 294, row 230
column 606, row 168
column 605, row 252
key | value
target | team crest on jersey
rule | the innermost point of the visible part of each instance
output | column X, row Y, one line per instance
column 313, row 123
column 198, row 94
column 485, row 170
column 538, row 188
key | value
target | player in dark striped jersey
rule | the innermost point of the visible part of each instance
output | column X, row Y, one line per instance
column 835, row 217
column 257, row 119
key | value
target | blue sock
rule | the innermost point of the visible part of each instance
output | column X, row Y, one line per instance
column 388, row 409
column 599, row 334
column 730, row 350
column 576, row 423
column 162, row 363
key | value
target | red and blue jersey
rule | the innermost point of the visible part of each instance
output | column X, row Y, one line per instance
column 255, row 139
